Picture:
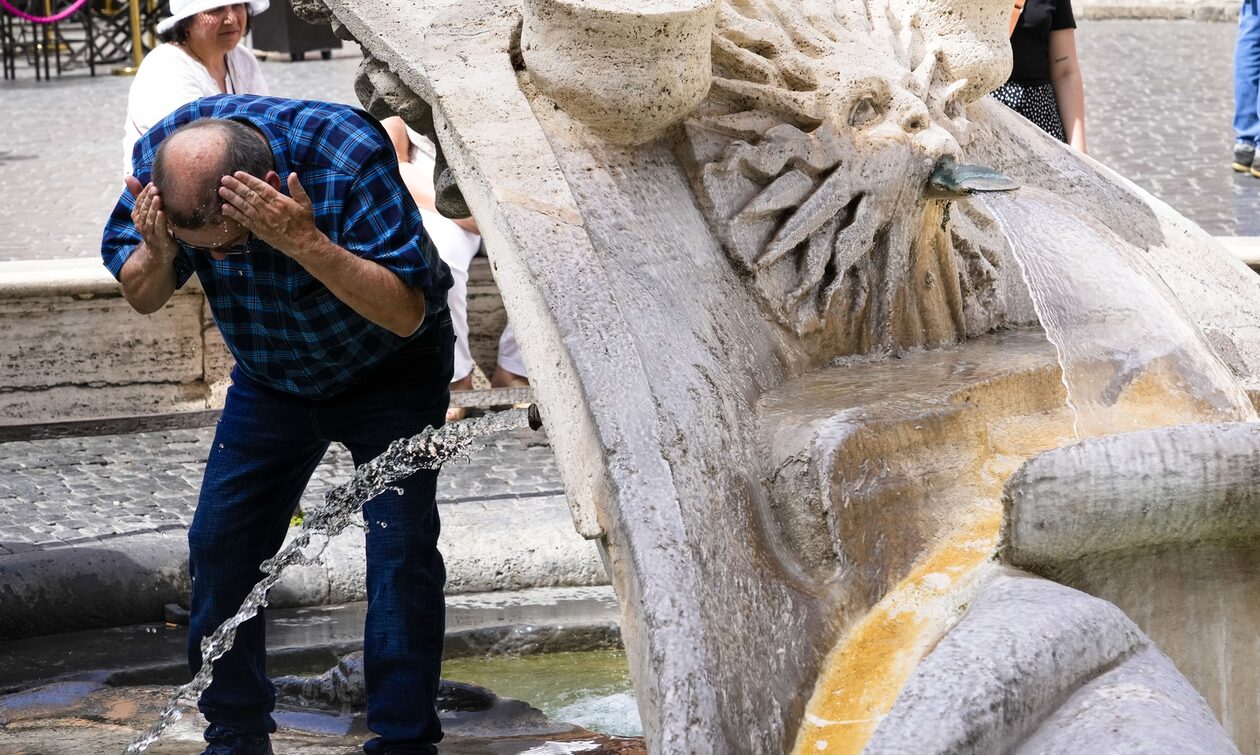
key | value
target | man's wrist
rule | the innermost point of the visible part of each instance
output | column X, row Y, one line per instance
column 163, row 253
column 317, row 246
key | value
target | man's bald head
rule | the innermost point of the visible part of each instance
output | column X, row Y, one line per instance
column 191, row 162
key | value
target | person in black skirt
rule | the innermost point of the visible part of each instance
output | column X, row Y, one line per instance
column 1045, row 85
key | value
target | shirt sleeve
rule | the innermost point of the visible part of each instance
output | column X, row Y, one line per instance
column 1063, row 18
column 381, row 222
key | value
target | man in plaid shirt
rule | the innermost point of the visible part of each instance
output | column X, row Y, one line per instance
column 333, row 301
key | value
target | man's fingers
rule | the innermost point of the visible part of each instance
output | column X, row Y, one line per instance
column 232, row 213
column 297, row 192
column 140, row 213
column 257, row 186
column 151, row 216
column 133, row 185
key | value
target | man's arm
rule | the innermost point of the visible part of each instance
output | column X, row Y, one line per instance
column 1069, row 86
column 288, row 225
column 148, row 275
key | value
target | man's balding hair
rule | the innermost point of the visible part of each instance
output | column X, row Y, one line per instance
column 190, row 198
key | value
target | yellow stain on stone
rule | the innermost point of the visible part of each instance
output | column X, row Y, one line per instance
column 862, row 677
column 866, row 671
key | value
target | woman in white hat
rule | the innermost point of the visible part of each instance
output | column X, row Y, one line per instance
column 201, row 54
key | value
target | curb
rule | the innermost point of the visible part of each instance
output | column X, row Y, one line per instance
column 488, row 546
column 1097, row 10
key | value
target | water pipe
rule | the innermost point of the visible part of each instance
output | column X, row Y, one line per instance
column 952, row 180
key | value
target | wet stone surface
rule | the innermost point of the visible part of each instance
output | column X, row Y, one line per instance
column 87, row 716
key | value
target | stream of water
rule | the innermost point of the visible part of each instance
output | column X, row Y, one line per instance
column 428, row 450
column 1123, row 340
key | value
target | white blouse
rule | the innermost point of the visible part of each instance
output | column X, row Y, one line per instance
column 170, row 77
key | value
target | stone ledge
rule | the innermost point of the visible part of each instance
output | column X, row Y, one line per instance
column 504, row 544
column 81, row 278
column 1196, row 10
column 1245, row 248
column 75, row 350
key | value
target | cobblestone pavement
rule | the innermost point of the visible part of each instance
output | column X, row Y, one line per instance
column 1159, row 108
column 1159, row 101
column 74, row 491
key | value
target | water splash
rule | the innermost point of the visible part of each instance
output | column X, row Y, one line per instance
column 1131, row 356
column 428, row 450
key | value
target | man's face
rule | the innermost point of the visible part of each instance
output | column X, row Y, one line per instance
column 217, row 238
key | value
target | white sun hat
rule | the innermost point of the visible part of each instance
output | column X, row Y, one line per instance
column 181, row 9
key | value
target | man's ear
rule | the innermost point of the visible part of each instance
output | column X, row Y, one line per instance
column 273, row 180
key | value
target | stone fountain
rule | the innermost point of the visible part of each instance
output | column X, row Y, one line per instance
column 806, row 408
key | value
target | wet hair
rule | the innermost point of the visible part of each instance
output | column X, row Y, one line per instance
column 244, row 151
column 178, row 34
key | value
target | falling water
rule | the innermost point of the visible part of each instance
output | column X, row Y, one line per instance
column 1131, row 357
column 428, row 450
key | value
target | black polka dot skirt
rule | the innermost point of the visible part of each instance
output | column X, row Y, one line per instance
column 1035, row 102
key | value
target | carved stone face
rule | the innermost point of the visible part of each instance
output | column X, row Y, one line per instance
column 810, row 158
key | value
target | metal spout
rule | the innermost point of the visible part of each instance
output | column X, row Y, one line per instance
column 952, row 180
column 535, row 418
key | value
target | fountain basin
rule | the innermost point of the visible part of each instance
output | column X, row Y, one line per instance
column 96, row 689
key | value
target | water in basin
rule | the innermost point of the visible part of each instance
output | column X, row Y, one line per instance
column 591, row 689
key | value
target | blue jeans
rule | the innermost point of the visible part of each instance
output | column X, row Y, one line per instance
column 1247, row 75
column 265, row 449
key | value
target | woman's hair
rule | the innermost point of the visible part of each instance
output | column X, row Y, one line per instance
column 178, row 34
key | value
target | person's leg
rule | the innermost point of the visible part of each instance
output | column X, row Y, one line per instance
column 263, row 454
column 510, row 371
column 1247, row 76
column 405, row 574
column 457, row 303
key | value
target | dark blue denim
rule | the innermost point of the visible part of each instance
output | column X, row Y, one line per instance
column 1247, row 75
column 265, row 449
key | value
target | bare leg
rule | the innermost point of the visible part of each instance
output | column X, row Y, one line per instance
column 456, row 413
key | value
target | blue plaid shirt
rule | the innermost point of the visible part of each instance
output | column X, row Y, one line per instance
column 285, row 328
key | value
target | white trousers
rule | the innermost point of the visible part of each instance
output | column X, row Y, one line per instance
column 457, row 248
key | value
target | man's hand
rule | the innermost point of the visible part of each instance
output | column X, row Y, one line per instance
column 150, row 220
column 284, row 223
